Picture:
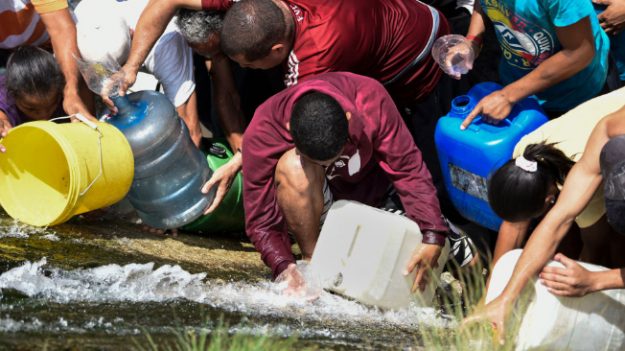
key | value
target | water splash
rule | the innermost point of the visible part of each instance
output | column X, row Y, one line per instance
column 17, row 229
column 145, row 283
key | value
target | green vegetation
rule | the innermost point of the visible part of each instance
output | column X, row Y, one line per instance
column 478, row 336
column 205, row 339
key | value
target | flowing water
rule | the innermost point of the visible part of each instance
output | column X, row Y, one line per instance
column 97, row 284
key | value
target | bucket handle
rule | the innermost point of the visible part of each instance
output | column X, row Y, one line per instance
column 95, row 127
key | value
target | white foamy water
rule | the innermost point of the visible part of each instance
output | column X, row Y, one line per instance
column 8, row 325
column 145, row 283
column 16, row 229
column 20, row 230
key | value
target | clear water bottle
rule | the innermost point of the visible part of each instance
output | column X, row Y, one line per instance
column 454, row 54
column 169, row 170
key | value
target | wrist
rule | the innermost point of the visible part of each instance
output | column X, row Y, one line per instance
column 70, row 90
column 281, row 267
column 433, row 238
column 509, row 95
column 475, row 40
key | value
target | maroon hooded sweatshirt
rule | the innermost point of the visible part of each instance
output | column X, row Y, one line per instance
column 380, row 152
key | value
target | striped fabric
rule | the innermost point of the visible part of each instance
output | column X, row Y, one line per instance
column 20, row 23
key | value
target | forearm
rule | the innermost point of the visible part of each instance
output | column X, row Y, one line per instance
column 188, row 112
column 228, row 102
column 62, row 31
column 539, row 250
column 610, row 279
column 555, row 69
column 477, row 27
column 578, row 50
column 153, row 21
column 510, row 237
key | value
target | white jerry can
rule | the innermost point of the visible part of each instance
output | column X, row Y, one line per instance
column 593, row 322
column 362, row 253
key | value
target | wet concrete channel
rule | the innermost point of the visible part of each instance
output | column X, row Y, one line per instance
column 101, row 284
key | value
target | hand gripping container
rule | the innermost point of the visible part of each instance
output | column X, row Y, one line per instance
column 362, row 253
column 468, row 157
column 229, row 216
column 592, row 322
column 169, row 170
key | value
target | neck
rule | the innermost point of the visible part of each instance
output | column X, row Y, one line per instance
column 289, row 21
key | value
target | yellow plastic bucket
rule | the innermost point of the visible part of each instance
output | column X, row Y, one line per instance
column 52, row 172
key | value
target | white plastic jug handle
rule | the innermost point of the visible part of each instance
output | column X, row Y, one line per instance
column 86, row 121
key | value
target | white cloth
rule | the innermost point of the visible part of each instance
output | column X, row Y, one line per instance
column 467, row 4
column 170, row 60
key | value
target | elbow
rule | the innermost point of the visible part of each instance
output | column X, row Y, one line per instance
column 583, row 56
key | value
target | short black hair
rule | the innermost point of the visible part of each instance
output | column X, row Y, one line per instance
column 515, row 194
column 319, row 126
column 197, row 26
column 251, row 28
column 33, row 71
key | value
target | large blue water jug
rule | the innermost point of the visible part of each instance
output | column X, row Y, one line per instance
column 468, row 157
column 169, row 170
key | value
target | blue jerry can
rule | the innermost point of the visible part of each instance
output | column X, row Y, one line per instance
column 468, row 157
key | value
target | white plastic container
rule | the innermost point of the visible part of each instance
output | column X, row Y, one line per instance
column 362, row 253
column 593, row 322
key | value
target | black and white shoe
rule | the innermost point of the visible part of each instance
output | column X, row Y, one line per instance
column 462, row 247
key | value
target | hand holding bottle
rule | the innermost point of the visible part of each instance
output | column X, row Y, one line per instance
column 454, row 54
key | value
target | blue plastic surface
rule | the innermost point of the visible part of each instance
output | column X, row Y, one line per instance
column 169, row 170
column 468, row 157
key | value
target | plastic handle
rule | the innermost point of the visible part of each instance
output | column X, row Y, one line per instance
column 479, row 119
column 86, row 121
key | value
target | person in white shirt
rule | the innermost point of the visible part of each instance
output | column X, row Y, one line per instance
column 104, row 32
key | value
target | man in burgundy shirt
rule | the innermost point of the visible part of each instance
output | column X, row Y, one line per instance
column 337, row 135
column 389, row 40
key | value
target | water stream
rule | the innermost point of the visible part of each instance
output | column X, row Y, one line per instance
column 97, row 284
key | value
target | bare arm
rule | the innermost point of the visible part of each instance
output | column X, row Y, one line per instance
column 578, row 50
column 477, row 27
column 62, row 31
column 231, row 120
column 188, row 112
column 153, row 21
column 511, row 236
column 228, row 101
column 579, row 187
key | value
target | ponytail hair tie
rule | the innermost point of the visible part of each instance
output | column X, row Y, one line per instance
column 525, row 164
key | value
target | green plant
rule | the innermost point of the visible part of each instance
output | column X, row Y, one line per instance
column 456, row 305
column 218, row 339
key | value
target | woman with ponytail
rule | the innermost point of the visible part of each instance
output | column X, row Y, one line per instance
column 601, row 169
column 525, row 188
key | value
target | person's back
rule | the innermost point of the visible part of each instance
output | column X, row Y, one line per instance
column 388, row 40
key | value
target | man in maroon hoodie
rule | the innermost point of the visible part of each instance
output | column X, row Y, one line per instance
column 335, row 136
